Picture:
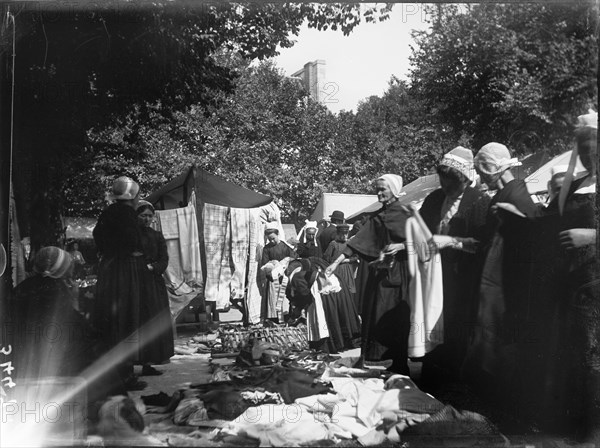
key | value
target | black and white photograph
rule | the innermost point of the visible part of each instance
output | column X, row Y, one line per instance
column 269, row 224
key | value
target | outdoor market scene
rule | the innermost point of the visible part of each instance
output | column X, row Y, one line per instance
column 299, row 224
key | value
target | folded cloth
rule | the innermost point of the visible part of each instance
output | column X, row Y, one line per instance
column 426, row 295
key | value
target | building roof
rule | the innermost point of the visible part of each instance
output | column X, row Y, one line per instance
column 347, row 203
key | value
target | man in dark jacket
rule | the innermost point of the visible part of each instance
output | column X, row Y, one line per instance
column 328, row 235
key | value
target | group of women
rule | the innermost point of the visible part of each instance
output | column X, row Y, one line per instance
column 521, row 285
column 131, row 307
column 301, row 269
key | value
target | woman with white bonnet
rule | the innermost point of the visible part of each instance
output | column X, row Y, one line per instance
column 117, row 306
column 274, row 304
column 577, row 291
column 382, row 288
column 308, row 245
column 50, row 338
column 489, row 357
column 456, row 210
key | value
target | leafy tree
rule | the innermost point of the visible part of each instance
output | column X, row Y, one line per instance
column 267, row 136
column 86, row 68
column 393, row 134
column 515, row 73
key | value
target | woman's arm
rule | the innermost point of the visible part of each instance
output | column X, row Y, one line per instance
column 333, row 266
column 160, row 265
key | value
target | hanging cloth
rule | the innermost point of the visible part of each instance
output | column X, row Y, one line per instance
column 426, row 293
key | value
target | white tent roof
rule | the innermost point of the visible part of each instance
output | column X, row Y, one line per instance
column 537, row 182
column 347, row 203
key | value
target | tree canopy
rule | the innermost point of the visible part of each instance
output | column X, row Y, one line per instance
column 149, row 89
column 514, row 73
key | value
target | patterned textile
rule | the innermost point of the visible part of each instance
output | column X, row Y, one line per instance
column 256, row 278
column 281, row 299
column 240, row 241
column 180, row 229
column 315, row 316
column 217, row 242
column 277, row 300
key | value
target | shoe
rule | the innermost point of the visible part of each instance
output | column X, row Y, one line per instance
column 132, row 383
column 150, row 371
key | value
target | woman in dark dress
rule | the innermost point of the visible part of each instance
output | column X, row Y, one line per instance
column 383, row 292
column 308, row 247
column 491, row 363
column 573, row 366
column 117, row 306
column 156, row 333
column 347, row 268
column 459, row 211
column 279, row 251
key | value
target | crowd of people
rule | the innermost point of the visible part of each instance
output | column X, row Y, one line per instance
column 130, row 322
column 521, row 287
column 521, row 283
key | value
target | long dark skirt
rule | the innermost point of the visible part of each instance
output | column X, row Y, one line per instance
column 156, row 331
column 386, row 317
column 117, row 305
column 342, row 319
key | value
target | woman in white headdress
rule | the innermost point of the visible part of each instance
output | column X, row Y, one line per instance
column 574, row 372
column 383, row 293
column 117, row 303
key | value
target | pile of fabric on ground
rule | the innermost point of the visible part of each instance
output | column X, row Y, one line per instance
column 309, row 398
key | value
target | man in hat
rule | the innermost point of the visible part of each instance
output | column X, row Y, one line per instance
column 328, row 235
column 459, row 211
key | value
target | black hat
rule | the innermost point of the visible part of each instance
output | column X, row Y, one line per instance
column 337, row 215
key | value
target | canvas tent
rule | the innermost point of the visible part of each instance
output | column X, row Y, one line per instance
column 537, row 182
column 230, row 221
column 347, row 203
column 209, row 188
column 416, row 192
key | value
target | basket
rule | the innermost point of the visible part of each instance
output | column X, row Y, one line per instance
column 234, row 338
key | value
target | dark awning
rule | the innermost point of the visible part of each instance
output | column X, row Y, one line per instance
column 210, row 189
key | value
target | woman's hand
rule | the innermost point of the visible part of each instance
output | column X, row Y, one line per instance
column 409, row 208
column 576, row 238
column 469, row 245
column 393, row 249
column 150, row 267
column 331, row 268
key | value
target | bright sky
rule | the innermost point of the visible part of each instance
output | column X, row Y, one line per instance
column 361, row 64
